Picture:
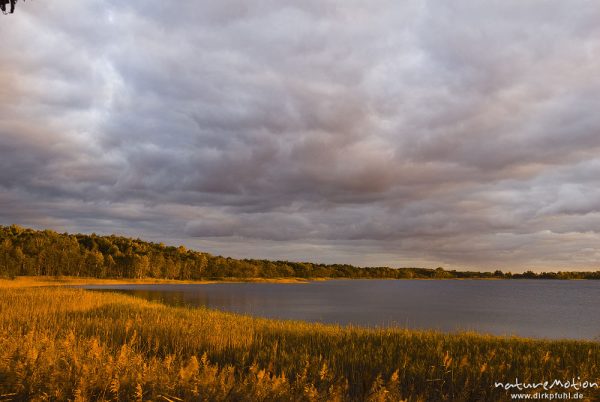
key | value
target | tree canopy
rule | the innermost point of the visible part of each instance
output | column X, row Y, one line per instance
column 45, row 252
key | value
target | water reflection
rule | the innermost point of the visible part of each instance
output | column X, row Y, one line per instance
column 532, row 308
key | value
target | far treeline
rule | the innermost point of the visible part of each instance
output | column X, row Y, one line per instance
column 33, row 253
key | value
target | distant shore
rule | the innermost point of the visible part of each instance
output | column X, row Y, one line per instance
column 28, row 252
column 37, row 281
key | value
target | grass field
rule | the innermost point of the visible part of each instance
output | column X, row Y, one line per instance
column 69, row 344
column 36, row 281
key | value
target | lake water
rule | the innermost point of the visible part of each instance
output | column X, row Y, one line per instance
column 529, row 308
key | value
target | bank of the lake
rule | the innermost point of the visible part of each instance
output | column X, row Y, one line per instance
column 528, row 308
column 71, row 344
column 35, row 281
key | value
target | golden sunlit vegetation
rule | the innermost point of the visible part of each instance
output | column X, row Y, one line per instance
column 36, row 281
column 71, row 344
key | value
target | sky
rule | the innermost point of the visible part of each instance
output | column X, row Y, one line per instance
column 461, row 134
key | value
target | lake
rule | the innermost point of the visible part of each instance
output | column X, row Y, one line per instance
column 530, row 308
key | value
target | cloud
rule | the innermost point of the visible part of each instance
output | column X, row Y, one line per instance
column 459, row 134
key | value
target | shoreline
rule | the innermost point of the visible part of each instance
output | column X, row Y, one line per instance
column 38, row 281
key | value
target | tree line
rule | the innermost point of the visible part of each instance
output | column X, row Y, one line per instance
column 31, row 252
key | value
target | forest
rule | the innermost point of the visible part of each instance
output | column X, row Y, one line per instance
column 28, row 252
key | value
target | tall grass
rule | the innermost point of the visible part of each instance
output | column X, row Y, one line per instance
column 71, row 344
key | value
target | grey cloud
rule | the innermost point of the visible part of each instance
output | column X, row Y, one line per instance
column 460, row 134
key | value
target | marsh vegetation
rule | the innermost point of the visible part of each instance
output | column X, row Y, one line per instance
column 71, row 344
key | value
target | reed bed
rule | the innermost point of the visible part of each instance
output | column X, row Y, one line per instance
column 71, row 344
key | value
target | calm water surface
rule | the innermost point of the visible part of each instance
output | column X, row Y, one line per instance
column 530, row 308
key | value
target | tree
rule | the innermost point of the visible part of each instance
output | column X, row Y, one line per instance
column 19, row 261
column 441, row 273
column 110, row 265
column 141, row 266
column 94, row 262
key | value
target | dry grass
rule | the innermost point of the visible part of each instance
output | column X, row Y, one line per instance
column 71, row 344
column 37, row 281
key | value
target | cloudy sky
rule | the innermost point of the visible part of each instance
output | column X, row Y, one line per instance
column 464, row 134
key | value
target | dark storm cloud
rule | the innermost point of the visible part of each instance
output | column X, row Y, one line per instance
column 462, row 134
